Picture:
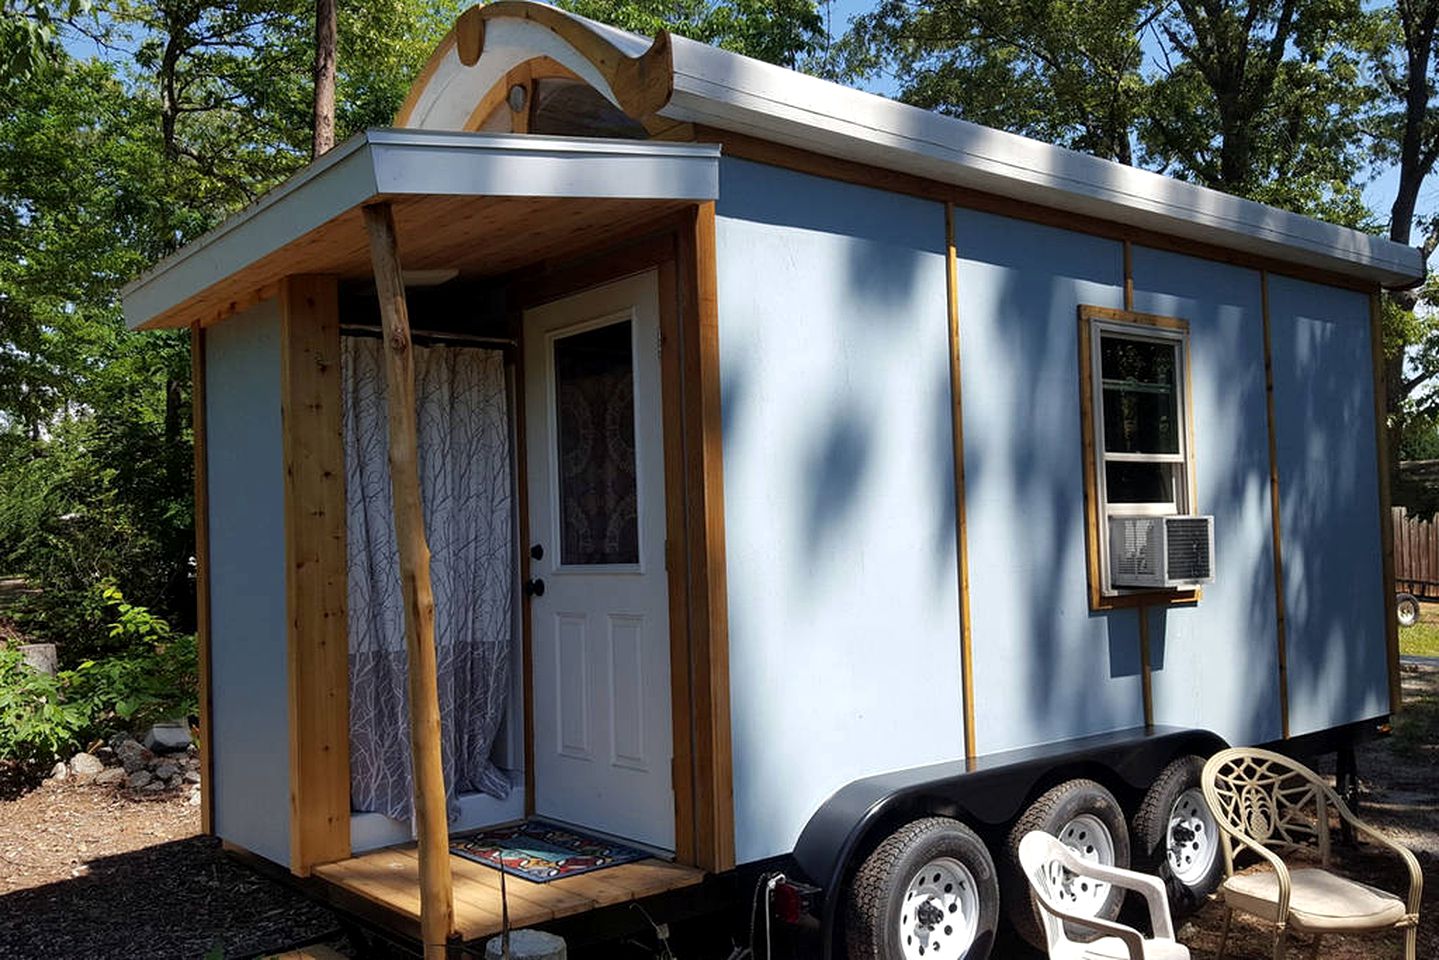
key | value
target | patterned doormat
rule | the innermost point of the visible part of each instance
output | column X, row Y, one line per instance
column 541, row 852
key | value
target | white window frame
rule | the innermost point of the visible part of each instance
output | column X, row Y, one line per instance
column 1134, row 326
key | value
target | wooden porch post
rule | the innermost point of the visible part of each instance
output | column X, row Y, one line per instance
column 437, row 907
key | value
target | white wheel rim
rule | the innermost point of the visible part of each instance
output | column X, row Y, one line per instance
column 939, row 915
column 1191, row 838
column 1089, row 839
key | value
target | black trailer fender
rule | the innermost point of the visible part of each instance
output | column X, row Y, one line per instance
column 989, row 790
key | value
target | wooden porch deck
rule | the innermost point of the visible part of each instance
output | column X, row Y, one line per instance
column 389, row 878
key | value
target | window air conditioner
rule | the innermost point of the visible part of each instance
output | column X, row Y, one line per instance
column 1161, row 551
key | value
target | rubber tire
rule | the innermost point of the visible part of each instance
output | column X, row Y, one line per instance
column 877, row 890
column 1150, row 829
column 1050, row 813
column 1406, row 602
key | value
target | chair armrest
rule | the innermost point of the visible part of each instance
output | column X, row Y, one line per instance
column 1132, row 938
column 1152, row 888
column 1416, row 876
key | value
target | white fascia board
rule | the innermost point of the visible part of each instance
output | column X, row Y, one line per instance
column 524, row 165
column 418, row 162
column 732, row 92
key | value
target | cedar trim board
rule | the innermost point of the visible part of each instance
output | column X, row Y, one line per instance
column 410, row 163
column 1386, row 520
column 989, row 789
column 674, row 80
column 202, row 577
column 699, row 674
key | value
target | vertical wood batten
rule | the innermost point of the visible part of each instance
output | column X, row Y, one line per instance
column 1146, row 661
column 966, row 637
column 202, row 576
column 1280, row 616
column 684, row 775
column 437, row 905
column 315, row 572
column 1386, row 522
column 709, row 623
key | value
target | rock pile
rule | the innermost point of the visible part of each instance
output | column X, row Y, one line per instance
column 127, row 763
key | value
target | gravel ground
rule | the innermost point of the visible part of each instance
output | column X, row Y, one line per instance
column 89, row 871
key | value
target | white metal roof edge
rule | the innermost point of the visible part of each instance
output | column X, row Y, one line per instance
column 734, row 92
column 414, row 162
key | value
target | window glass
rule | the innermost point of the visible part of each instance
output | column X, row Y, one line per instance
column 595, row 401
column 1128, row 481
column 1141, row 409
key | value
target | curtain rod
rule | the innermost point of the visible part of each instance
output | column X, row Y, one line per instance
column 355, row 330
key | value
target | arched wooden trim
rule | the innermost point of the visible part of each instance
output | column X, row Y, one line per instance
column 641, row 85
column 525, row 75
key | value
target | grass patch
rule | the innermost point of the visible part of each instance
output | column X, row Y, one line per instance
column 1417, row 724
column 1420, row 640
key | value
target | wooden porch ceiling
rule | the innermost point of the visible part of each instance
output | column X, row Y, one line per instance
column 389, row 879
column 479, row 236
column 482, row 204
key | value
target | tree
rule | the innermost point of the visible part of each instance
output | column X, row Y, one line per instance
column 1063, row 71
column 322, row 124
column 1263, row 98
column 778, row 31
column 27, row 34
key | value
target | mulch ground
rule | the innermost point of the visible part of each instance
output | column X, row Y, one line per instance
column 89, row 871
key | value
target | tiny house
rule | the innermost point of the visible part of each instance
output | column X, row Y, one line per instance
column 813, row 484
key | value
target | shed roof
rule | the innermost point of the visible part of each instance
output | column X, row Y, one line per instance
column 478, row 203
column 680, row 80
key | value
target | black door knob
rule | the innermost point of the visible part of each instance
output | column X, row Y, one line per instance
column 537, row 552
column 535, row 587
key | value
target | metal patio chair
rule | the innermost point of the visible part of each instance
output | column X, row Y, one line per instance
column 1049, row 866
column 1269, row 804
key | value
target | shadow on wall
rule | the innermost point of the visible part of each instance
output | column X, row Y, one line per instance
column 1329, row 506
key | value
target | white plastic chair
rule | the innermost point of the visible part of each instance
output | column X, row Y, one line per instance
column 1047, row 864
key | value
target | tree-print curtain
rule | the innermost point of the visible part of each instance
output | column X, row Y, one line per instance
column 465, row 483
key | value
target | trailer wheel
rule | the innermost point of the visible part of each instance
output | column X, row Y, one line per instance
column 928, row 891
column 1406, row 608
column 1087, row 819
column 1177, row 837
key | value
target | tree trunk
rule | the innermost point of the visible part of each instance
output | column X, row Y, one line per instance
column 323, row 123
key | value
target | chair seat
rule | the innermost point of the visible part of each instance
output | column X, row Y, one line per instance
column 1113, row 948
column 1319, row 901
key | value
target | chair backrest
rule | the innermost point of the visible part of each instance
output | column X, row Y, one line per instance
column 1042, row 858
column 1269, row 798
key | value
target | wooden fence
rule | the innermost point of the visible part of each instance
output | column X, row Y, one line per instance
column 1416, row 554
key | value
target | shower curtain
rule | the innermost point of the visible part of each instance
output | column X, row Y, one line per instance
column 465, row 484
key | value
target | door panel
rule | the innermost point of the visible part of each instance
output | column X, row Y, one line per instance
column 600, row 625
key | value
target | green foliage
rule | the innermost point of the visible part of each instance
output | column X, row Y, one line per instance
column 28, row 34
column 779, row 31
column 37, row 723
column 1063, row 71
column 152, row 676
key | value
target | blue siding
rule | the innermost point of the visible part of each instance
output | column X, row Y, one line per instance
column 1044, row 668
column 249, row 701
column 839, row 502
column 1328, row 499
column 1216, row 665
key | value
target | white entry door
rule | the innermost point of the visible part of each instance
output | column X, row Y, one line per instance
column 597, row 594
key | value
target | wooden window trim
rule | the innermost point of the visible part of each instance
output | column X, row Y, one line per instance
column 1094, row 528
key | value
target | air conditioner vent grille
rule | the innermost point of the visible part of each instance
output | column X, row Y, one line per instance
column 1187, row 544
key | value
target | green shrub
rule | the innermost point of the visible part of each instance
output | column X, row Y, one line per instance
column 43, row 718
column 38, row 722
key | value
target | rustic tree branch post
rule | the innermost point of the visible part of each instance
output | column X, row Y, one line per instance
column 437, row 909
